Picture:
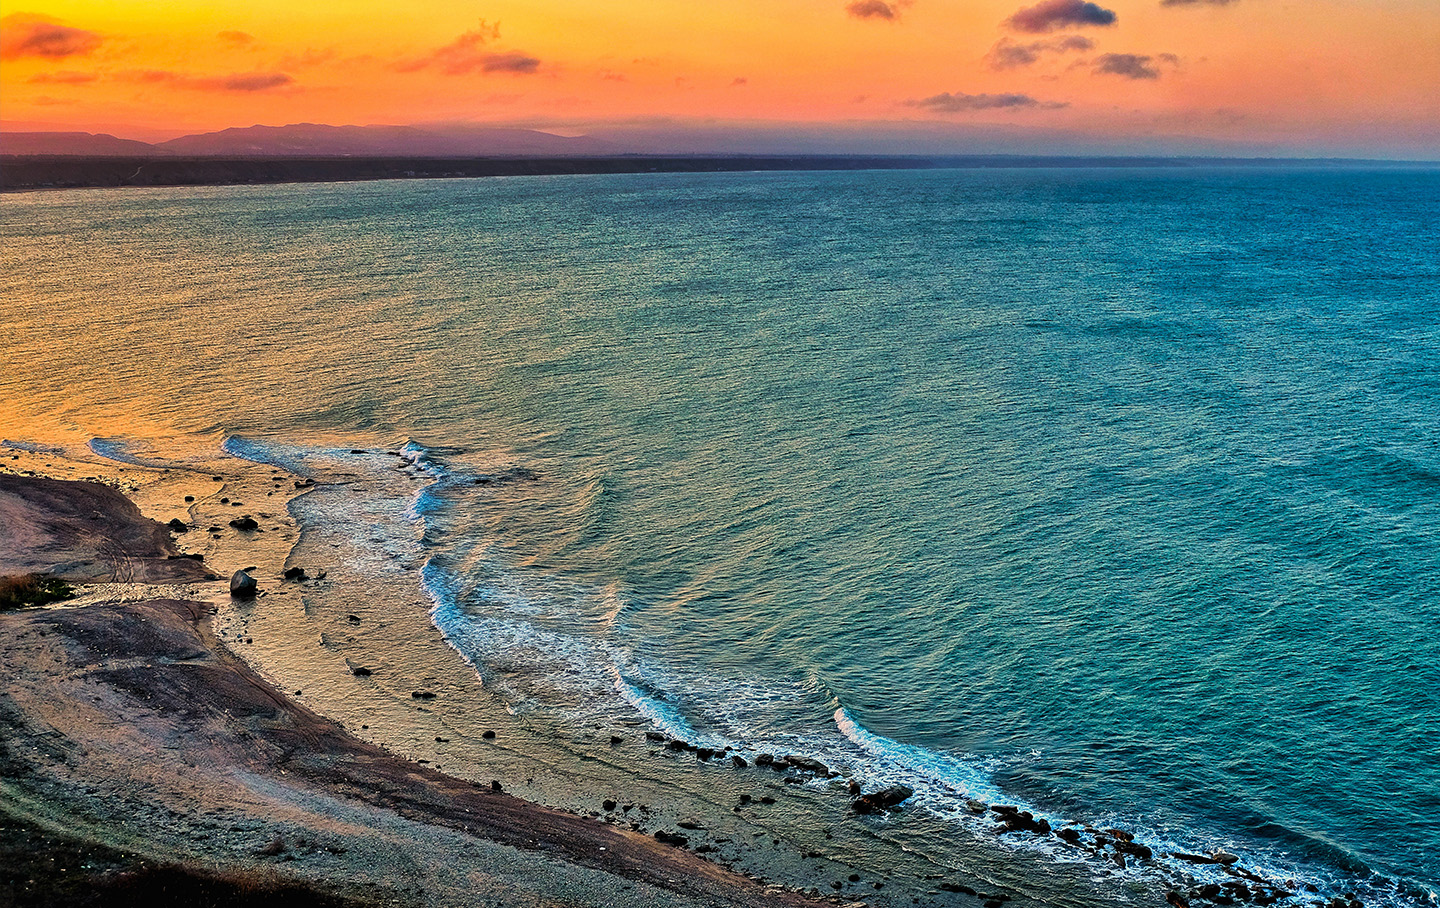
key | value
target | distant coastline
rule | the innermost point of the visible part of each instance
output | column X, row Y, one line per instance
column 20, row 173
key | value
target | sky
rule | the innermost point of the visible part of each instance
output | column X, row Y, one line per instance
column 1358, row 77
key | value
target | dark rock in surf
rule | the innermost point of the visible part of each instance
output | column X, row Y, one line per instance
column 884, row 799
column 242, row 584
column 764, row 760
column 704, row 753
column 738, row 761
column 806, row 764
column 654, row 736
column 1016, row 820
column 1072, row 836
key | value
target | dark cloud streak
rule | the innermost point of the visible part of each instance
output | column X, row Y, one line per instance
column 959, row 102
column 1009, row 55
column 1131, row 66
column 874, row 9
column 28, row 35
column 1050, row 15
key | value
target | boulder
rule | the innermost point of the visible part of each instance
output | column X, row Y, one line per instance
column 242, row 584
column 884, row 799
column 806, row 764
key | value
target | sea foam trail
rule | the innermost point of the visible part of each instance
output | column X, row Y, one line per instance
column 498, row 624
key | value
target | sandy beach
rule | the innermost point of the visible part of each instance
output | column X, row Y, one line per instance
column 134, row 739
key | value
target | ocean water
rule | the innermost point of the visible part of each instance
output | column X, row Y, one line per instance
column 1114, row 493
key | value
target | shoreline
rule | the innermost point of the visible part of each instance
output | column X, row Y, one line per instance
column 369, row 708
column 233, row 776
column 31, row 173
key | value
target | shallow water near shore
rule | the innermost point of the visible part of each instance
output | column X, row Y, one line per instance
column 1109, row 494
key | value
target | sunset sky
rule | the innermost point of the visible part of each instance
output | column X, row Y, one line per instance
column 1294, row 76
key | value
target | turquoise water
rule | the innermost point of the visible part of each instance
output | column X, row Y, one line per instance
column 1113, row 492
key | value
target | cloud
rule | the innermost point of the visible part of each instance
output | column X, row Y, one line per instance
column 1131, row 66
column 509, row 63
column 1052, row 14
column 874, row 9
column 241, row 82
column 467, row 54
column 959, row 102
column 1009, row 55
column 237, row 38
column 1196, row 2
column 62, row 78
column 29, row 35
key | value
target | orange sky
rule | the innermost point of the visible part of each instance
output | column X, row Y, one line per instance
column 1321, row 75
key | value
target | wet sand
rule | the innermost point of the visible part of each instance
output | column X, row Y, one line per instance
column 128, row 724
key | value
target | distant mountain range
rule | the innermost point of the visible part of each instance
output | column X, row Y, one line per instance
column 312, row 140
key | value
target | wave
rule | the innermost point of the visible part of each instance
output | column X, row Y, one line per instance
column 544, row 642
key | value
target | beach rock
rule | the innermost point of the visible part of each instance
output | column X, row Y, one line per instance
column 654, row 736
column 353, row 619
column 177, row 525
column 244, row 523
column 495, row 785
column 808, row 765
column 1016, row 820
column 609, row 805
column 616, row 739
column 487, row 734
column 738, row 761
column 189, row 498
column 671, row 838
column 704, row 753
column 884, row 799
column 1193, row 858
column 361, row 671
column 186, row 556
column 242, row 584
column 422, row 695
column 295, row 573
column 689, row 824
column 745, row 799
column 764, row 760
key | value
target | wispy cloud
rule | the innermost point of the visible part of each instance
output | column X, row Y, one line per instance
column 1196, row 2
column 1050, row 15
column 237, row 82
column 1008, row 54
column 959, row 102
column 1133, row 66
column 509, row 63
column 468, row 54
column 874, row 9
column 29, row 35
column 63, row 78
column 237, row 38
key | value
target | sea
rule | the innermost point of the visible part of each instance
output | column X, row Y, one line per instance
column 1110, row 493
